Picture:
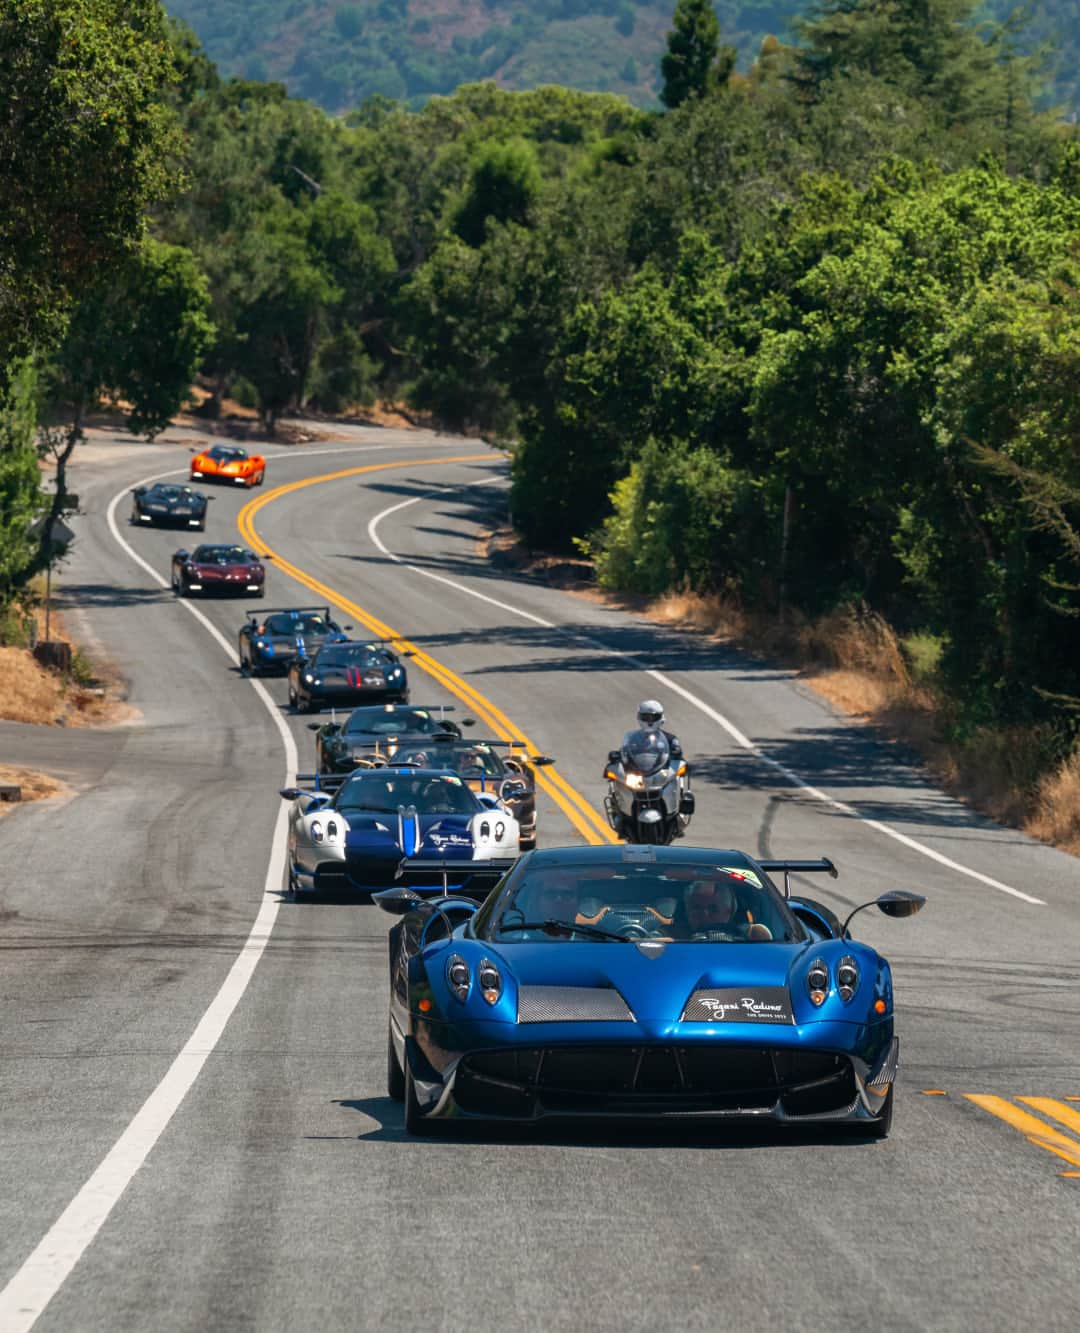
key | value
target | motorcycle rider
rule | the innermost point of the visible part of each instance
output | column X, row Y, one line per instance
column 650, row 717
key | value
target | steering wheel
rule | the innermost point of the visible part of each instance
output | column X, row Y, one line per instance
column 633, row 931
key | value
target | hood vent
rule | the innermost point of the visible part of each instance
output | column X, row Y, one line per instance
column 572, row 1004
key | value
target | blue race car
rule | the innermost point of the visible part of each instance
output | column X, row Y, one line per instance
column 408, row 825
column 273, row 639
column 639, row 981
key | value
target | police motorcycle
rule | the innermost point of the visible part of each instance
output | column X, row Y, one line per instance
column 649, row 798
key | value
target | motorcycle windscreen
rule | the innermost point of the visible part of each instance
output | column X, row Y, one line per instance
column 646, row 750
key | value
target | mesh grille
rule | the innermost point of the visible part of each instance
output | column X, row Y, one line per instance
column 571, row 1004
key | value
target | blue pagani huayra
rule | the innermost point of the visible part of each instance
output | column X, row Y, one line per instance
column 639, row 981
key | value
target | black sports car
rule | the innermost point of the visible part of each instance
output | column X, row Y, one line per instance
column 487, row 766
column 272, row 640
column 169, row 506
column 369, row 732
column 345, row 674
column 230, row 570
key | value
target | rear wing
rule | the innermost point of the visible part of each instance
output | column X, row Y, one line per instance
column 438, row 875
column 260, row 613
column 822, row 866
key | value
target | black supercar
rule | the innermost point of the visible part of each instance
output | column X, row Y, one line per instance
column 168, row 506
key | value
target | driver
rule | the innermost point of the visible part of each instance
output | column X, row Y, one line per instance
column 556, row 897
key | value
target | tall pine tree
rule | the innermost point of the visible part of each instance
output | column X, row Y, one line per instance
column 694, row 61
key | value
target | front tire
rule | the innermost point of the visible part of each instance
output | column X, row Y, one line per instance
column 416, row 1122
column 395, row 1075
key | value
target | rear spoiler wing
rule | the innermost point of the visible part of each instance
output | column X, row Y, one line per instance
column 260, row 613
column 465, row 875
column 822, row 866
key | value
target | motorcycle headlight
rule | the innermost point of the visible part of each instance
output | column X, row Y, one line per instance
column 847, row 978
column 490, row 979
column 457, row 976
column 635, row 780
column 817, row 982
column 316, row 831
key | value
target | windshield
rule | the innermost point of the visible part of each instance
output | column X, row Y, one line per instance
column 222, row 555
column 291, row 622
column 220, row 454
column 387, row 793
column 467, row 760
column 681, row 902
column 392, row 722
column 352, row 654
column 172, row 493
column 645, row 751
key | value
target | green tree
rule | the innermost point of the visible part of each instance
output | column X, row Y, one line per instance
column 85, row 146
column 504, row 181
column 139, row 336
column 694, row 61
column 20, row 479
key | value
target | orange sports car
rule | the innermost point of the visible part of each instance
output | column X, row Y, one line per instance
column 225, row 462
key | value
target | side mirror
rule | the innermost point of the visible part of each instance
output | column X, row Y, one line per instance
column 266, row 557
column 208, row 498
column 468, row 721
column 614, row 756
column 397, row 901
column 540, row 760
column 409, row 652
column 290, row 793
column 901, row 902
column 894, row 903
column 346, row 628
column 314, row 726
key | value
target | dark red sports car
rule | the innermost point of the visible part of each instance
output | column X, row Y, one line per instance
column 218, row 569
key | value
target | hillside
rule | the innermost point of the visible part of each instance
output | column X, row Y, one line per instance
column 337, row 54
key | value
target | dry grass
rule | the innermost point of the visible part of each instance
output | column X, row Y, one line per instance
column 30, row 693
column 1056, row 818
column 35, row 786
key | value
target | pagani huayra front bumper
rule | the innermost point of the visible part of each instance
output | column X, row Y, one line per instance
column 821, row 1072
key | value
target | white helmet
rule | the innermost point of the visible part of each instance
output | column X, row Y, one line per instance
column 650, row 714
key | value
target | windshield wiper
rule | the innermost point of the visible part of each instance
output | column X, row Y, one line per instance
column 553, row 927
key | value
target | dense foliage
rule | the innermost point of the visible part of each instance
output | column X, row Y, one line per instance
column 810, row 336
column 339, row 54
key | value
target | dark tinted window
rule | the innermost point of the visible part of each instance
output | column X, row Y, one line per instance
column 222, row 555
column 387, row 793
column 220, row 453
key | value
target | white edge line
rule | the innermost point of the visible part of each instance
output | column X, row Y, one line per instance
column 732, row 730
column 43, row 1273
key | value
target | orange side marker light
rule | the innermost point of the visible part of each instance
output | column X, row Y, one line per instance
column 424, row 1006
column 879, row 1006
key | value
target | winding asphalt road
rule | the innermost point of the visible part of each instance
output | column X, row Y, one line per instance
column 194, row 1131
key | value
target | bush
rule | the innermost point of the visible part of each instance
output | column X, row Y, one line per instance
column 677, row 520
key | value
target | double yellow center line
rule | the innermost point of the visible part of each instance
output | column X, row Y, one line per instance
column 582, row 815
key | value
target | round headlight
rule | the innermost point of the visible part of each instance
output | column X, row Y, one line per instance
column 485, row 829
column 817, row 982
column 458, row 977
column 500, row 832
column 490, row 981
column 316, row 831
column 331, row 829
column 308, row 677
column 847, row 978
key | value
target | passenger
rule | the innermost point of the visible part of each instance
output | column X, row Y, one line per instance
column 555, row 898
column 710, row 905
